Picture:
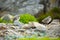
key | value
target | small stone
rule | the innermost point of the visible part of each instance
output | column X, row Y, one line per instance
column 47, row 20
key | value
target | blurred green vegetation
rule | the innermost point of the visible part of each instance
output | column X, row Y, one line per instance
column 38, row 38
column 5, row 21
column 25, row 18
column 54, row 13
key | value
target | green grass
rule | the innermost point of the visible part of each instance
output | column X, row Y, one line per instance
column 41, row 38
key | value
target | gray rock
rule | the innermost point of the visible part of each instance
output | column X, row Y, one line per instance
column 35, row 28
column 53, row 29
column 17, row 22
column 2, row 24
column 38, row 25
column 26, row 26
column 1, row 38
column 21, row 6
column 35, row 25
column 55, row 21
column 7, row 17
column 47, row 20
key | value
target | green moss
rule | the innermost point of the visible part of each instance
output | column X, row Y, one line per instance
column 25, row 18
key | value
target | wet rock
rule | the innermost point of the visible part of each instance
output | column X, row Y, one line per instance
column 47, row 20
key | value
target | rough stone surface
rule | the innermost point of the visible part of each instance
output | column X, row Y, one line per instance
column 11, row 31
column 7, row 17
column 35, row 25
column 17, row 22
column 53, row 29
column 21, row 6
column 1, row 38
column 47, row 20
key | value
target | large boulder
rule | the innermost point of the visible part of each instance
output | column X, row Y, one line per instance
column 38, row 25
column 35, row 25
column 21, row 6
column 53, row 29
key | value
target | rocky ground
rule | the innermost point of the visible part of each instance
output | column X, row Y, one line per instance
column 49, row 27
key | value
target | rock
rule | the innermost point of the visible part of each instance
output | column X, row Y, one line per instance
column 2, row 24
column 40, row 29
column 47, row 20
column 55, row 21
column 17, row 22
column 34, row 25
column 53, row 29
column 21, row 6
column 21, row 30
column 2, row 30
column 9, row 24
column 38, row 25
column 26, row 26
column 1, row 38
column 25, row 31
column 3, row 13
column 16, row 17
column 7, row 17
column 8, row 30
column 35, row 28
